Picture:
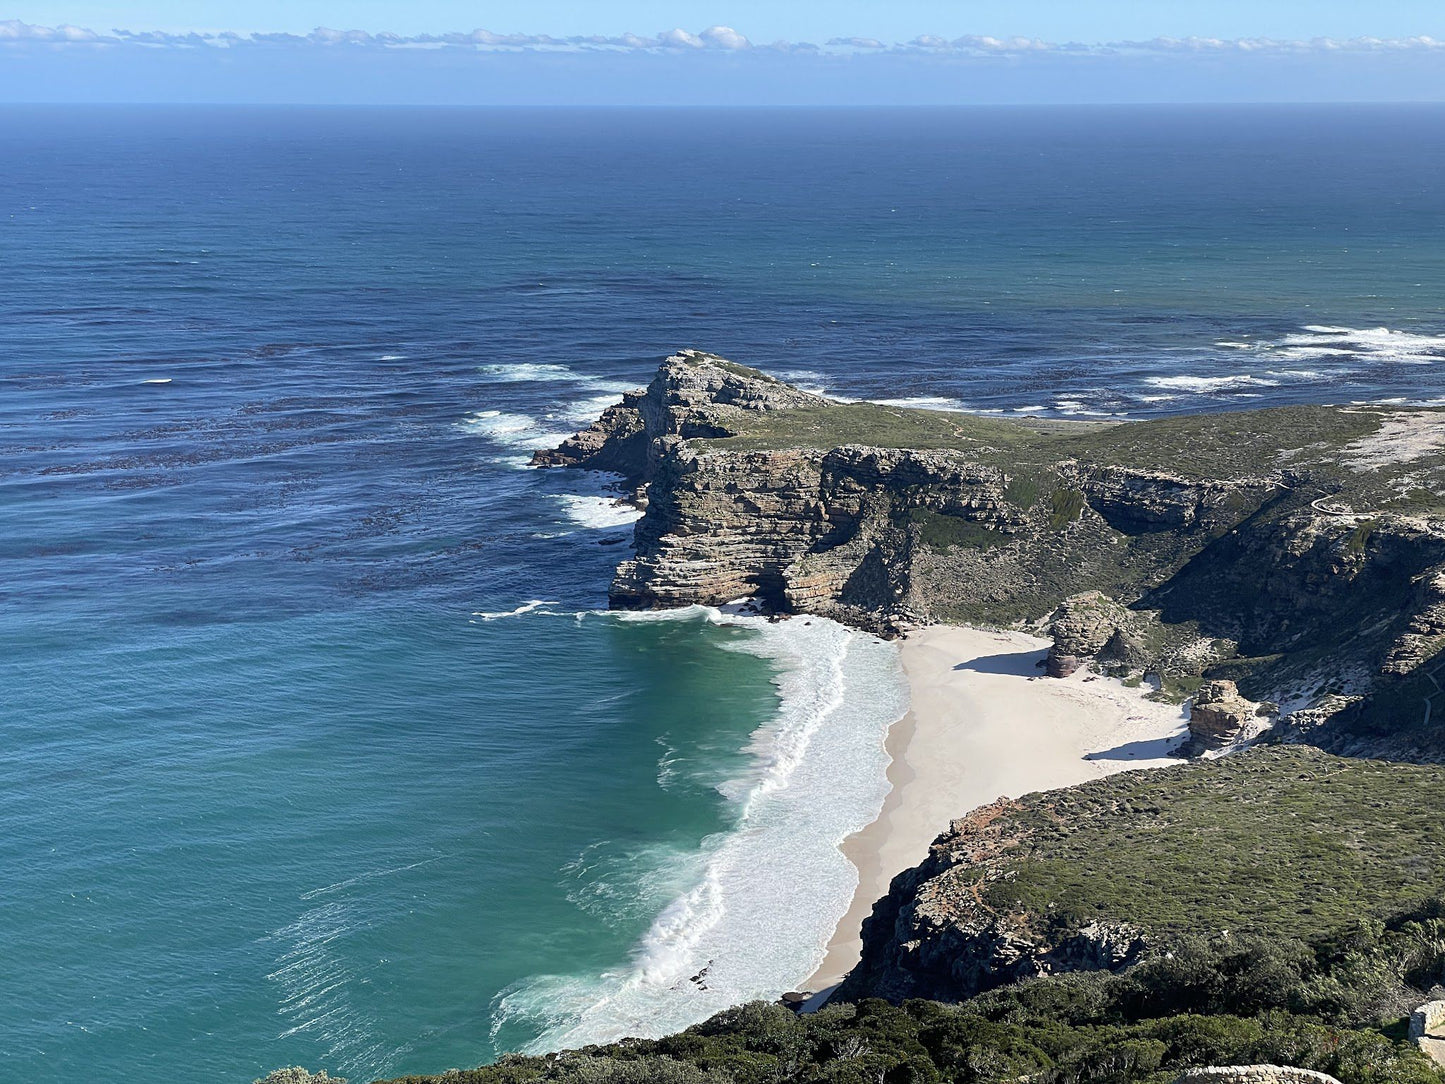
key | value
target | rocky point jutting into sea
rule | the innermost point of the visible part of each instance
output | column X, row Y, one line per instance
column 1286, row 566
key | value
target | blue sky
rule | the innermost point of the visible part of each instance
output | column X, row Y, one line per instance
column 722, row 52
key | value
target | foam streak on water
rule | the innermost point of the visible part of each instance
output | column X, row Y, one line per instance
column 768, row 894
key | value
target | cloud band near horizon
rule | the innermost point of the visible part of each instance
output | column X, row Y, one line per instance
column 14, row 33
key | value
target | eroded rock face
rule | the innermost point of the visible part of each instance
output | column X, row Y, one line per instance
column 808, row 531
column 1083, row 626
column 1219, row 717
column 694, row 394
column 935, row 936
column 1186, row 571
column 616, row 442
column 1155, row 500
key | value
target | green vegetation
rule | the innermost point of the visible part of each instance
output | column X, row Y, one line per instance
column 944, row 532
column 1277, row 841
column 876, row 426
column 1360, row 536
column 1333, row 1005
column 1022, row 491
column 744, row 371
column 1305, row 440
column 1068, row 505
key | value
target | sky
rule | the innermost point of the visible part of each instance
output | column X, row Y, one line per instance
column 721, row 52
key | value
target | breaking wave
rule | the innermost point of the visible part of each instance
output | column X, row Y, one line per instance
column 1350, row 344
column 763, row 899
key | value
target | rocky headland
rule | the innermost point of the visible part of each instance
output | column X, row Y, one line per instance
column 1286, row 565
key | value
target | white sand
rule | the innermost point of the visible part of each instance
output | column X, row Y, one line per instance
column 984, row 724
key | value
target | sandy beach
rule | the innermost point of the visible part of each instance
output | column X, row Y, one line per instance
column 983, row 724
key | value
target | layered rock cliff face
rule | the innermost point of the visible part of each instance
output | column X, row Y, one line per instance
column 936, row 935
column 694, row 395
column 1230, row 547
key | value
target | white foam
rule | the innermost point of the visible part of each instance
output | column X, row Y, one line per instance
column 926, row 402
column 157, row 380
column 765, row 897
column 1370, row 345
column 527, row 372
column 803, row 379
column 526, row 608
column 514, row 430
column 524, row 372
column 1205, row 384
column 588, row 410
column 1079, row 408
column 393, row 357
column 598, row 513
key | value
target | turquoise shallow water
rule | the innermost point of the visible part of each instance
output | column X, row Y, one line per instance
column 344, row 836
column 280, row 782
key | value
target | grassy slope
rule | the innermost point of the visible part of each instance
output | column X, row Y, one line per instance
column 1280, row 840
column 1202, row 446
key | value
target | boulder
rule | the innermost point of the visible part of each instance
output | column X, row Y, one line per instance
column 1219, row 717
column 1082, row 627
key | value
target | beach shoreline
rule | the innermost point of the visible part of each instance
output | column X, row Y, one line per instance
column 983, row 724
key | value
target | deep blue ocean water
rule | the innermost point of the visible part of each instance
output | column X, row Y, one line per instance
column 281, row 781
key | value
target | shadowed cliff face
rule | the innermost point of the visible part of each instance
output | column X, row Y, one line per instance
column 1298, row 552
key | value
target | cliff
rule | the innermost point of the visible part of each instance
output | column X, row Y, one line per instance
column 1274, row 842
column 1298, row 552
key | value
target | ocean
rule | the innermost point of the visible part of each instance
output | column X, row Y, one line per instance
column 319, row 745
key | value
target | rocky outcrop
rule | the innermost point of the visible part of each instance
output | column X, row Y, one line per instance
column 1219, row 717
column 1134, row 500
column 935, row 935
column 617, row 442
column 1427, row 1030
column 694, row 394
column 808, row 531
column 1271, row 841
column 1091, row 625
column 1254, row 1074
column 1424, row 635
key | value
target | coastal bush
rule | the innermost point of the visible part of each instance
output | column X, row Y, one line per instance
column 1022, row 490
column 1306, row 844
column 1067, row 505
column 943, row 532
column 925, row 1042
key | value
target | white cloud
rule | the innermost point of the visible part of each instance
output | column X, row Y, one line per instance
column 14, row 33
column 680, row 39
column 724, row 37
column 14, row 30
